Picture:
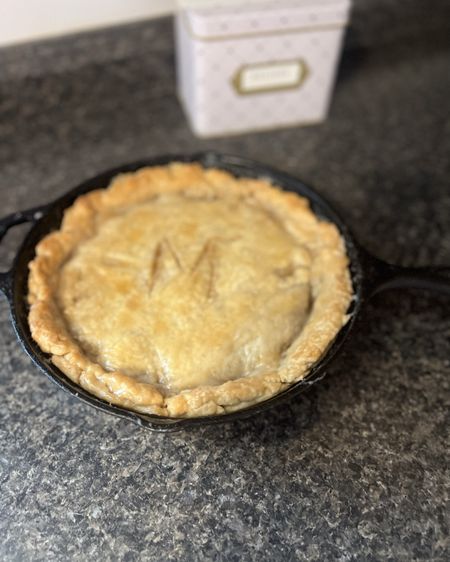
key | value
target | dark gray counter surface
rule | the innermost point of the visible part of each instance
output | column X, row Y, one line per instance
column 355, row 469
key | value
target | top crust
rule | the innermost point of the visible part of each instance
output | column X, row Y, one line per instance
column 329, row 279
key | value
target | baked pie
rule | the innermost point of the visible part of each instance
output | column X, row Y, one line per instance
column 183, row 291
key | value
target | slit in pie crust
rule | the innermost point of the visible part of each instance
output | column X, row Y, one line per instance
column 183, row 291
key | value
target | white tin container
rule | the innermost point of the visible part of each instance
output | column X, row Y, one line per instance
column 258, row 66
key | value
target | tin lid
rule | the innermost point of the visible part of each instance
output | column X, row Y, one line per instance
column 225, row 19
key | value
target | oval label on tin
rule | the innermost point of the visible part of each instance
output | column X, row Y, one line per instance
column 270, row 76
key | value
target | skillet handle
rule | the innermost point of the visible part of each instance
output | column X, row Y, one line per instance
column 382, row 276
column 21, row 217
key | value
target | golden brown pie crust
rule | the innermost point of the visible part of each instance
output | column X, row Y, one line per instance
column 56, row 320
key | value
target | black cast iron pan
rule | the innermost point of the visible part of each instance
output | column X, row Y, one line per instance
column 369, row 276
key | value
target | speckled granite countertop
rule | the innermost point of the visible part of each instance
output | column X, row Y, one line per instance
column 355, row 469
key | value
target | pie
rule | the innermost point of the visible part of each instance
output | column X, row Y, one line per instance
column 183, row 291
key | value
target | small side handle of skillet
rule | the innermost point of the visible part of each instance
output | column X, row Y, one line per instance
column 382, row 276
column 20, row 217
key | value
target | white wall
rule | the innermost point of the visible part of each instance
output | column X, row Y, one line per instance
column 28, row 20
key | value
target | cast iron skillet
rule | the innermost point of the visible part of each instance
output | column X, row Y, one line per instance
column 369, row 276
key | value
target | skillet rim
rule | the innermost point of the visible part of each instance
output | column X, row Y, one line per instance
column 51, row 217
